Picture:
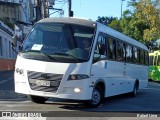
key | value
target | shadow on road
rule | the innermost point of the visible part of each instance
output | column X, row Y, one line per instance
column 78, row 105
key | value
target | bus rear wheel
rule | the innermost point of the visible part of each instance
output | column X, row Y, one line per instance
column 96, row 98
column 135, row 89
column 37, row 99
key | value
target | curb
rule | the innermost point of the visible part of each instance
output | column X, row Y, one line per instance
column 10, row 94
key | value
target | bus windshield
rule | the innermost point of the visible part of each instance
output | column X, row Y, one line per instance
column 58, row 42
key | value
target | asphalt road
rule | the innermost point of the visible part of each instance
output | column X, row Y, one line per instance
column 147, row 102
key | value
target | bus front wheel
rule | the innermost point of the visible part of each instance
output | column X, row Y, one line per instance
column 37, row 99
column 96, row 98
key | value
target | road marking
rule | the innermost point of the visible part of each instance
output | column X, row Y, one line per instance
column 4, row 81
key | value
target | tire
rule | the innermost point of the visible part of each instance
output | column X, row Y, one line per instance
column 135, row 89
column 37, row 99
column 96, row 98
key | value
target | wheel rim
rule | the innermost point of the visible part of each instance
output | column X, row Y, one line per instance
column 96, row 97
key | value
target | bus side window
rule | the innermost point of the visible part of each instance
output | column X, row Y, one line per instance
column 146, row 58
column 129, row 56
column 142, row 57
column 138, row 51
column 120, row 51
column 111, row 49
column 135, row 55
column 101, row 47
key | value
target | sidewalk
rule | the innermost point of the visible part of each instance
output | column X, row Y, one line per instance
column 5, row 95
column 6, row 74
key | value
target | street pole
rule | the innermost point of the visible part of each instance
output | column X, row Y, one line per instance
column 45, row 6
column 121, row 7
column 69, row 8
column 38, row 10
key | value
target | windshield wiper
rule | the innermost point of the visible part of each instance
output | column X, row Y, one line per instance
column 48, row 56
column 67, row 54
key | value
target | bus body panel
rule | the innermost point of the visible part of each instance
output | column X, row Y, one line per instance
column 112, row 76
column 66, row 87
column 137, row 72
column 118, row 77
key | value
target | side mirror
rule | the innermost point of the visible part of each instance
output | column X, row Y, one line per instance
column 14, row 41
column 96, row 57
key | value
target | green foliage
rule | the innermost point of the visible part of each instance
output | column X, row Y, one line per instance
column 146, row 12
column 105, row 20
column 115, row 24
column 141, row 22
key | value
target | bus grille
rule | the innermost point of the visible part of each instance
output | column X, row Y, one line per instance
column 54, row 80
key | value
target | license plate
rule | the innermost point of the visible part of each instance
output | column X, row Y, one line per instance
column 43, row 83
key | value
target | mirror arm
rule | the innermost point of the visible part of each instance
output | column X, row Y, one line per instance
column 13, row 48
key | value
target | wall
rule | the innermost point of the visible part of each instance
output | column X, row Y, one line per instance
column 7, row 55
column 7, row 64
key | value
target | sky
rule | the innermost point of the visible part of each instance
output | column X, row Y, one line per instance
column 91, row 9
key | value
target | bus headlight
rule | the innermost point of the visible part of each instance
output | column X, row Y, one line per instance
column 77, row 90
column 77, row 77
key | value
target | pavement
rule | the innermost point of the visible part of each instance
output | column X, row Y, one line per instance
column 6, row 74
column 7, row 87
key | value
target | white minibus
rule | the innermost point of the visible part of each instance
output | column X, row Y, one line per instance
column 79, row 59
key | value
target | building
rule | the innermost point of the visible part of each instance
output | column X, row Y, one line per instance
column 7, row 55
column 24, row 13
column 13, row 11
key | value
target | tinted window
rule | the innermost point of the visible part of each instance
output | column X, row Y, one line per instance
column 146, row 58
column 120, row 51
column 135, row 55
column 101, row 45
column 111, row 49
column 142, row 61
column 129, row 53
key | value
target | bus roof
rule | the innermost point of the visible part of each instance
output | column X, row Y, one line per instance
column 101, row 27
column 70, row 21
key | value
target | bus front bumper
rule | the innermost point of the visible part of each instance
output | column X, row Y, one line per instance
column 67, row 91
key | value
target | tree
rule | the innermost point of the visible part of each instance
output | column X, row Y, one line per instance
column 149, row 16
column 141, row 22
column 105, row 20
column 115, row 24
